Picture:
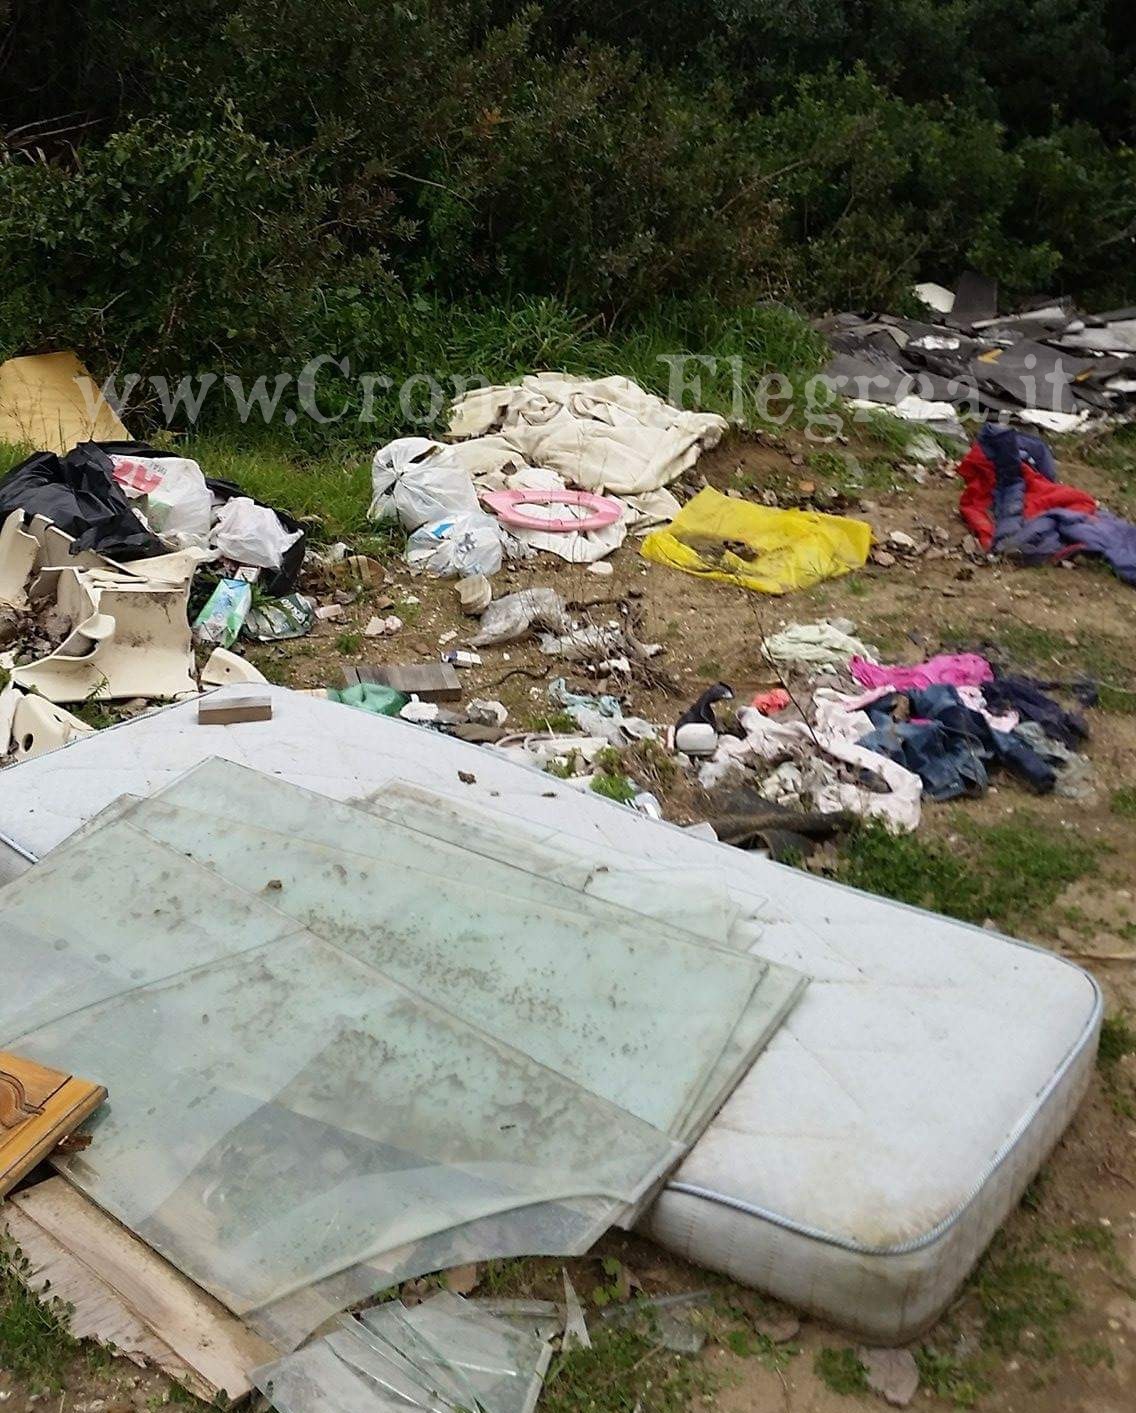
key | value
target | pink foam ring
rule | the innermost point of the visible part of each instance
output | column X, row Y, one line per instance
column 604, row 510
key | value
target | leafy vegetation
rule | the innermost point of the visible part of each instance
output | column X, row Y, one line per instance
column 1005, row 872
column 841, row 1370
column 485, row 186
column 35, row 1342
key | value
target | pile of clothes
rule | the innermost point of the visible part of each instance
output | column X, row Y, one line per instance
column 875, row 739
column 1015, row 505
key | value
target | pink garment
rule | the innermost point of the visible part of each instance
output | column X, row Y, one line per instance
column 952, row 669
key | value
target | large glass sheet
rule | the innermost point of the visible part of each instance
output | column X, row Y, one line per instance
column 629, row 1008
column 281, row 1114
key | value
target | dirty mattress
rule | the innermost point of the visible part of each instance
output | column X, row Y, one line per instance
column 863, row 1163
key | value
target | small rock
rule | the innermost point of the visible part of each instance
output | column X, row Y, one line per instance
column 769, row 498
column 466, row 777
column 778, row 1328
column 462, row 1279
column 330, row 612
column 734, row 494
column 892, row 1373
column 882, row 558
column 447, row 637
column 601, row 567
column 475, row 594
column 900, row 539
column 382, row 627
column 797, row 459
column 806, row 488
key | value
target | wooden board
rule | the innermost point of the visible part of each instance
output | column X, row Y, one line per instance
column 229, row 710
column 128, row 1294
column 428, row 681
column 38, row 1107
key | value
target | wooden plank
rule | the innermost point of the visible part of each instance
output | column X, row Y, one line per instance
column 230, row 710
column 95, row 1311
column 429, row 681
column 220, row 1350
column 38, row 1107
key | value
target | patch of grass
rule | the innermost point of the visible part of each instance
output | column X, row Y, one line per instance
column 1003, row 871
column 1123, row 802
column 330, row 493
column 1030, row 645
column 622, row 1372
column 752, row 1344
column 275, row 668
column 614, row 787
column 1119, row 700
column 1117, row 1039
column 1023, row 1301
column 559, row 723
column 35, row 1343
column 841, row 1370
column 710, row 669
column 349, row 643
column 1092, row 1353
column 958, row 1381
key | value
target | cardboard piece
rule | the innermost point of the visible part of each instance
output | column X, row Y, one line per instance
column 42, row 405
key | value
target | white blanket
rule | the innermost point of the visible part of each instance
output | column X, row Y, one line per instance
column 601, row 434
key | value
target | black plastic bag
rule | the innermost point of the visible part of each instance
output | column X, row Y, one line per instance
column 80, row 495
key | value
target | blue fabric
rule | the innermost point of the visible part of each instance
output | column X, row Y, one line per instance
column 948, row 745
column 1025, row 696
column 1057, row 532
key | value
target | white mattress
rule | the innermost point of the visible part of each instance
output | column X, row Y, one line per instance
column 868, row 1157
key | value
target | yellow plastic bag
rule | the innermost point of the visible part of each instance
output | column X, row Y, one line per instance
column 791, row 549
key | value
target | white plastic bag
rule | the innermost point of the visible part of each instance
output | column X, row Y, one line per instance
column 513, row 615
column 412, row 480
column 177, row 498
column 251, row 534
column 460, row 545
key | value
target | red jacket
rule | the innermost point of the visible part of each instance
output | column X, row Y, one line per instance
column 976, row 504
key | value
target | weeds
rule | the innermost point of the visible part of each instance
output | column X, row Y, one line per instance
column 622, row 1371
column 35, row 1343
column 959, row 1381
column 841, row 1371
column 1023, row 1298
column 350, row 643
column 1004, row 871
column 1123, row 802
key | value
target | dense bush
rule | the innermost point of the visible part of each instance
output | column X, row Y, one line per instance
column 223, row 183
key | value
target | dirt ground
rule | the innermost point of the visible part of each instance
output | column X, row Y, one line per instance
column 1077, row 1349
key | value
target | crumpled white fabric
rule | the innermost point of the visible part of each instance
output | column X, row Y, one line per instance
column 834, row 734
column 821, row 644
column 600, row 434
